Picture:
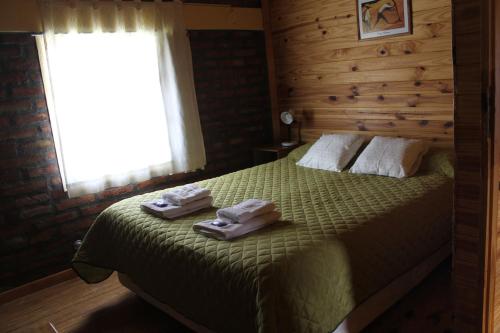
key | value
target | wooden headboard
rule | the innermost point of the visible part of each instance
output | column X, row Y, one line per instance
column 394, row 86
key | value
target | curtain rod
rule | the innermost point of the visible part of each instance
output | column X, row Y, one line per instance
column 146, row 1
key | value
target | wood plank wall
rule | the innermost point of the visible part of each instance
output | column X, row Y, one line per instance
column 494, row 274
column 398, row 86
column 496, row 291
column 471, row 166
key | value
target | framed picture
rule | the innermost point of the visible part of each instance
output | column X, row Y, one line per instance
column 380, row 18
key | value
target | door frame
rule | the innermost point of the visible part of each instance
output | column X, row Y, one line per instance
column 491, row 75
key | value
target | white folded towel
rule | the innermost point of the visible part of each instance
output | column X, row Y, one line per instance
column 171, row 210
column 246, row 210
column 186, row 194
column 223, row 229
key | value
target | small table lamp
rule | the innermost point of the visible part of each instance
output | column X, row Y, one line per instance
column 287, row 118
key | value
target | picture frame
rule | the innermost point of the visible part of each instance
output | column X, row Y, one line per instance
column 383, row 18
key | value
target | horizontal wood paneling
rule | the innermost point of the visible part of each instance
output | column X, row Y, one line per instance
column 441, row 58
column 386, row 88
column 289, row 44
column 321, row 53
column 299, row 8
column 396, row 86
column 329, row 23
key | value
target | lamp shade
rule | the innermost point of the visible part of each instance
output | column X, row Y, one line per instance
column 286, row 117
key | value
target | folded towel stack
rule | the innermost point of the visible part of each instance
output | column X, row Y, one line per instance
column 239, row 220
column 186, row 194
column 179, row 201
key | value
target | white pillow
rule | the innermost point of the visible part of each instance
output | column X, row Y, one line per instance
column 393, row 157
column 332, row 152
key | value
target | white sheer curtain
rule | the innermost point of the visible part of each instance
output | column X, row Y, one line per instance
column 119, row 86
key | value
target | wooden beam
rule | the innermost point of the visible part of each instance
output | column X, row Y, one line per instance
column 24, row 16
column 216, row 17
column 271, row 70
column 491, row 302
column 20, row 16
column 472, row 154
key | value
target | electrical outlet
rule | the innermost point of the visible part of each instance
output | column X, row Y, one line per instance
column 77, row 244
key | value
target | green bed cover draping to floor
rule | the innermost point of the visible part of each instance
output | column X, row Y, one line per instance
column 343, row 237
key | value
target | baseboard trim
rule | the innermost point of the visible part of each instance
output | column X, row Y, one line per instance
column 36, row 285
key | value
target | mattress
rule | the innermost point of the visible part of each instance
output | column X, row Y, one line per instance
column 343, row 238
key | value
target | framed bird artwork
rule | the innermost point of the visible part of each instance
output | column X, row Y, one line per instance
column 380, row 18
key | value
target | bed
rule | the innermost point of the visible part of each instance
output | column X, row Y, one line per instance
column 348, row 247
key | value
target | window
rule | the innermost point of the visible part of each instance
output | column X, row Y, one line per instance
column 110, row 115
column 119, row 84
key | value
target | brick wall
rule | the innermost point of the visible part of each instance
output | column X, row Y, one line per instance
column 230, row 78
column 38, row 223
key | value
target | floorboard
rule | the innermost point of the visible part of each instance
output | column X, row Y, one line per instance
column 74, row 306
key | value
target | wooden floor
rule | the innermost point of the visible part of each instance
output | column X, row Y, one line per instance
column 73, row 306
column 427, row 309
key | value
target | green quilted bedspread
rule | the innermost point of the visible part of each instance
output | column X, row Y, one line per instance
column 343, row 237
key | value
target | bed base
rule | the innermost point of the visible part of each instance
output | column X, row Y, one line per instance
column 358, row 319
